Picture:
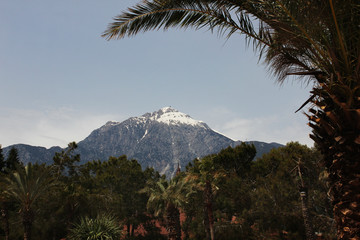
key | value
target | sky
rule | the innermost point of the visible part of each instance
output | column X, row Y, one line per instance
column 60, row 80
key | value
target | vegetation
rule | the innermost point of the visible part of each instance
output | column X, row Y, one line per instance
column 100, row 228
column 227, row 195
column 2, row 161
column 12, row 160
column 165, row 199
column 316, row 40
column 25, row 187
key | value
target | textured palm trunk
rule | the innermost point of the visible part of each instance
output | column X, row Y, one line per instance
column 206, row 221
column 304, row 207
column 304, row 203
column 27, row 223
column 346, row 201
column 133, row 227
column 336, row 130
column 173, row 222
column 209, row 210
column 5, row 216
column 128, row 226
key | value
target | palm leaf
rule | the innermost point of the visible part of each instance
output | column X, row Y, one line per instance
column 216, row 15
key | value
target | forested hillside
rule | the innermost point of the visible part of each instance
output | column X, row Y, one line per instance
column 226, row 195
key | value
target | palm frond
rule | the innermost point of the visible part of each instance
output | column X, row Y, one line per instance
column 27, row 185
column 217, row 16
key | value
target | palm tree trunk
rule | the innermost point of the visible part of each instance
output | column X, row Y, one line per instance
column 346, row 200
column 304, row 207
column 27, row 223
column 209, row 209
column 128, row 227
column 173, row 222
column 5, row 216
column 206, row 221
column 307, row 223
column 133, row 227
column 336, row 128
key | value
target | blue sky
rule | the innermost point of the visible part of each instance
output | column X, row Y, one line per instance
column 60, row 80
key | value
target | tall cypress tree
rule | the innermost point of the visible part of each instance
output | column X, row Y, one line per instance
column 4, row 211
column 2, row 160
column 12, row 160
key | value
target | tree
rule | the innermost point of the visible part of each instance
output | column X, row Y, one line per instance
column 64, row 161
column 276, row 206
column 208, row 173
column 165, row 199
column 2, row 161
column 317, row 40
column 3, row 200
column 303, row 190
column 26, row 186
column 203, row 175
column 114, row 186
column 238, row 159
column 66, row 171
column 12, row 160
column 3, row 207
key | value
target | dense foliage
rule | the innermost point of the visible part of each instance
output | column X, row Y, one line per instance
column 227, row 195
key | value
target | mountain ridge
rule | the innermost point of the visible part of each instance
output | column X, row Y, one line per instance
column 161, row 139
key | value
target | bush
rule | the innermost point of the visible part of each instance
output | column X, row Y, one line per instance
column 101, row 228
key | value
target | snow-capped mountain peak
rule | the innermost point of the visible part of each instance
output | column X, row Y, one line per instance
column 112, row 123
column 172, row 116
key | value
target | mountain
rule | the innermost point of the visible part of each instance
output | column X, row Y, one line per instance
column 162, row 139
column 33, row 154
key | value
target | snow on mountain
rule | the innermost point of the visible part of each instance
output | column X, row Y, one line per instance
column 171, row 116
column 112, row 123
column 160, row 139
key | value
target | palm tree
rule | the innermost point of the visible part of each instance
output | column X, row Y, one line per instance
column 4, row 212
column 3, row 198
column 203, row 176
column 316, row 40
column 165, row 199
column 303, row 190
column 26, row 186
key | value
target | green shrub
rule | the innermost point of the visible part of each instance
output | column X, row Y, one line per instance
column 101, row 228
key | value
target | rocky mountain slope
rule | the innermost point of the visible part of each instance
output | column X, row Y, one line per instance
column 161, row 139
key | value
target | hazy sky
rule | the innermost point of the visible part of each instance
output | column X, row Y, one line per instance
column 59, row 80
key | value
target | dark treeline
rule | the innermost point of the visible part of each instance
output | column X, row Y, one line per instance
column 228, row 195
